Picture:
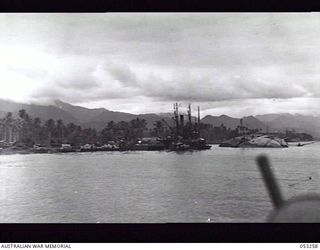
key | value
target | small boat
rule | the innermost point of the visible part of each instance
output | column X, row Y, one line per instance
column 107, row 147
column 87, row 148
column 179, row 146
column 204, row 147
column 303, row 144
column 66, row 148
column 199, row 144
column 149, row 144
column 39, row 149
column 156, row 147
column 139, row 147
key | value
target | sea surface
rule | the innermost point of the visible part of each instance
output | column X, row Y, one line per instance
column 217, row 185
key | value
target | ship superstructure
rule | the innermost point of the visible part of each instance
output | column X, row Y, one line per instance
column 185, row 135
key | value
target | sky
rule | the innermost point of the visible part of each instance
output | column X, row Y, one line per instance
column 237, row 64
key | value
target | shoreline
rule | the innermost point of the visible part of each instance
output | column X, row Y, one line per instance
column 57, row 151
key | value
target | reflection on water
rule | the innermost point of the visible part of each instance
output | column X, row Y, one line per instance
column 218, row 185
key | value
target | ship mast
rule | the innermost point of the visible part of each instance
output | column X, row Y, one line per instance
column 199, row 121
column 176, row 117
column 189, row 114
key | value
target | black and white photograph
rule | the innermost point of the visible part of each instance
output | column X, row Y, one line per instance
column 159, row 117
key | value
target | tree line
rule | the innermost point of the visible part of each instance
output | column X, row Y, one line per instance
column 27, row 130
column 30, row 131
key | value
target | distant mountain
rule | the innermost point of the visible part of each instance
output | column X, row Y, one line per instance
column 230, row 122
column 44, row 112
column 93, row 118
column 274, row 122
column 270, row 117
column 98, row 118
column 300, row 123
column 227, row 121
column 153, row 118
column 2, row 113
column 168, row 114
column 101, row 120
column 82, row 114
column 252, row 123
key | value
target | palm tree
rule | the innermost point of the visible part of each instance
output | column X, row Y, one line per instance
column 108, row 133
column 158, row 128
column 122, row 130
column 60, row 130
column 10, row 128
column 27, row 130
column 50, row 127
column 22, row 113
column 3, row 129
column 110, row 124
column 137, row 128
column 36, row 129
column 37, row 122
column 8, row 125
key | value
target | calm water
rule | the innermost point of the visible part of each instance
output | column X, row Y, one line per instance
column 220, row 185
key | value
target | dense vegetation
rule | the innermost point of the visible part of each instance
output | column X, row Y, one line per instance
column 27, row 130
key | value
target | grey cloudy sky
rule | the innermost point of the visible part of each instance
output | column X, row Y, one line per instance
column 234, row 64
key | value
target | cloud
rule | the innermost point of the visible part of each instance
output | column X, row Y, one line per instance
column 205, row 85
column 161, row 58
column 240, row 108
column 121, row 73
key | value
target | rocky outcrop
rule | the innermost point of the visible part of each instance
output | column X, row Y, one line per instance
column 265, row 141
column 255, row 141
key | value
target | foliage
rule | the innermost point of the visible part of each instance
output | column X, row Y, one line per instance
column 29, row 131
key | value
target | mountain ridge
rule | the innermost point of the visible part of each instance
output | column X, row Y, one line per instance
column 230, row 122
column 99, row 117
